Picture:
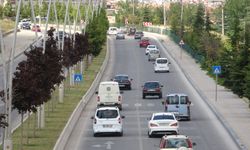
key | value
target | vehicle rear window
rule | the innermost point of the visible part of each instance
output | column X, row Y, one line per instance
column 152, row 85
column 161, row 117
column 151, row 46
column 121, row 77
column 162, row 61
column 176, row 143
column 154, row 52
column 173, row 99
column 183, row 100
column 107, row 113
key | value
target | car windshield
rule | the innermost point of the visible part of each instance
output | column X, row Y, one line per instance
column 151, row 46
column 183, row 99
column 152, row 85
column 138, row 33
column 163, row 117
column 176, row 143
column 162, row 61
column 107, row 113
column 121, row 77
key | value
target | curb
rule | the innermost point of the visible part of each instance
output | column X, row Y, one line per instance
column 231, row 132
column 65, row 134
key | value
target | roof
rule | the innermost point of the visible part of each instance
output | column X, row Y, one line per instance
column 179, row 94
column 174, row 136
column 162, row 113
column 108, row 82
column 108, row 107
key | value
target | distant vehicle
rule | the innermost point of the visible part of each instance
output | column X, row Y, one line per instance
column 123, row 80
column 23, row 21
column 131, row 31
column 138, row 35
column 107, row 120
column 152, row 88
column 153, row 54
column 176, row 142
column 59, row 35
column 112, row 31
column 161, row 65
column 109, row 94
column 179, row 104
column 144, row 42
column 36, row 28
column 120, row 35
column 162, row 123
column 25, row 25
column 150, row 47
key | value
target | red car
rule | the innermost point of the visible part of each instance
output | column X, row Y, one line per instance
column 144, row 42
column 36, row 28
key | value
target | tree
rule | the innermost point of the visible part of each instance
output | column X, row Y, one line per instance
column 198, row 26
column 8, row 10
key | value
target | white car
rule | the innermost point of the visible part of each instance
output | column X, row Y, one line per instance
column 107, row 120
column 150, row 47
column 161, row 65
column 163, row 123
column 112, row 31
column 176, row 142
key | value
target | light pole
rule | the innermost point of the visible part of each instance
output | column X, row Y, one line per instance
column 164, row 13
column 182, row 28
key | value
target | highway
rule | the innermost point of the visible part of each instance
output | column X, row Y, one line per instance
column 126, row 57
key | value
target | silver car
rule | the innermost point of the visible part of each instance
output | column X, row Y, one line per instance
column 120, row 35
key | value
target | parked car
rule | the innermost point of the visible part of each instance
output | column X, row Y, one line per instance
column 120, row 35
column 36, row 28
column 162, row 123
column 144, row 42
column 25, row 25
column 138, row 35
column 25, row 20
column 176, row 142
column 123, row 80
column 161, row 65
column 153, row 54
column 109, row 94
column 150, row 47
column 107, row 120
column 152, row 88
column 179, row 104
column 112, row 31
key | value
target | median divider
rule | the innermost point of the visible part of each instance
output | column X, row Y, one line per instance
column 65, row 134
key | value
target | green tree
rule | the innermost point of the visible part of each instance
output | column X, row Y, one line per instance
column 198, row 26
column 8, row 10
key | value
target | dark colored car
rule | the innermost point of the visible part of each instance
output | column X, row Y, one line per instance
column 120, row 35
column 132, row 31
column 25, row 25
column 123, row 80
column 144, row 42
column 138, row 35
column 152, row 88
column 36, row 28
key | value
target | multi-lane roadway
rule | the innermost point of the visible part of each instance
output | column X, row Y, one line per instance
column 126, row 57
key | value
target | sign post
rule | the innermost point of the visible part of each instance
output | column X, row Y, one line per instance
column 78, row 78
column 216, row 71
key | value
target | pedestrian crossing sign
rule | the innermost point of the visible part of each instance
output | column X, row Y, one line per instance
column 77, row 77
column 217, row 69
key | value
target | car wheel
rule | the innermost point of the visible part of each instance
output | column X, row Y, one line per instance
column 121, row 133
column 150, row 135
column 160, row 96
column 120, row 107
column 143, row 96
column 129, row 88
column 95, row 134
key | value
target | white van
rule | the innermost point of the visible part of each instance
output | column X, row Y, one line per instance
column 153, row 54
column 109, row 94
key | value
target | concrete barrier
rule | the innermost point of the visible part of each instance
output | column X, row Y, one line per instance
column 65, row 134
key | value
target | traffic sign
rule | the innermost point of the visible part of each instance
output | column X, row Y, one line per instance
column 77, row 77
column 217, row 69
column 181, row 42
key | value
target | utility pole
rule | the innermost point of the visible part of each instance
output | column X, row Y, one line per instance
column 133, row 7
column 222, row 19
column 182, row 26
column 164, row 13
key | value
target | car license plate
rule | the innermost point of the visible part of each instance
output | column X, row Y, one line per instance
column 151, row 90
column 107, row 126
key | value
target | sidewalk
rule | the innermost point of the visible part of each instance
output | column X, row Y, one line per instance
column 232, row 110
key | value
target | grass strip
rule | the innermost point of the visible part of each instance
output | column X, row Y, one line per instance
column 6, row 25
column 55, row 121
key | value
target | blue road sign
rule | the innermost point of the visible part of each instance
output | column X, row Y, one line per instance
column 77, row 77
column 216, row 69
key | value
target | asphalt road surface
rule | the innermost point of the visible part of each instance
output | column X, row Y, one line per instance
column 126, row 57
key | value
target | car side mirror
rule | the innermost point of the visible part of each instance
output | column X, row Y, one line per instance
column 96, row 92
column 161, row 85
column 122, row 117
column 131, row 79
column 92, row 117
column 111, row 79
column 194, row 144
